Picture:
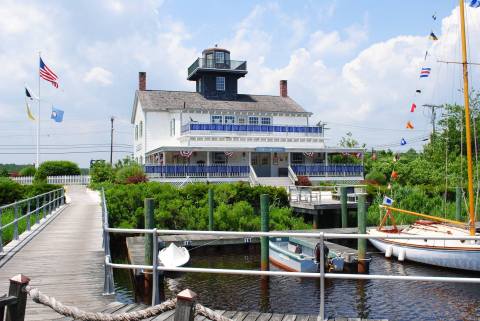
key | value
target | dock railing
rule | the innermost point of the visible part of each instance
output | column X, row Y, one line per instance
column 61, row 180
column 322, row 194
column 320, row 236
column 28, row 212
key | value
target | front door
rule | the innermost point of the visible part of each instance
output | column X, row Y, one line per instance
column 261, row 163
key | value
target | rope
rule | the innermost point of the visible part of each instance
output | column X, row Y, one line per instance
column 209, row 313
column 78, row 314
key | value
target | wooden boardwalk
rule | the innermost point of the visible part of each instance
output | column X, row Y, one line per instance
column 65, row 260
column 117, row 308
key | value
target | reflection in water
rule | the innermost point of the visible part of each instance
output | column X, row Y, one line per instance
column 344, row 298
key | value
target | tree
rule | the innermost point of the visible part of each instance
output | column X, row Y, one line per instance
column 56, row 168
column 350, row 142
column 101, row 171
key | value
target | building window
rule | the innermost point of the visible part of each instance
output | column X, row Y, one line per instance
column 220, row 83
column 136, row 132
column 140, row 130
column 229, row 119
column 298, row 158
column 219, row 57
column 241, row 120
column 253, row 120
column 172, row 127
column 216, row 119
column 209, row 60
column 219, row 158
column 266, row 120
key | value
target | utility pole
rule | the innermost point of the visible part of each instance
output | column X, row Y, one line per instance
column 434, row 115
column 111, row 142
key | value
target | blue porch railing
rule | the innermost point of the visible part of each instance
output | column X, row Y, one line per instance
column 309, row 130
column 198, row 170
column 328, row 170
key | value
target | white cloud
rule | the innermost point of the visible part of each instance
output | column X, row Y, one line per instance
column 98, row 75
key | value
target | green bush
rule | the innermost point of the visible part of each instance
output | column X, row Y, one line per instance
column 376, row 178
column 56, row 168
column 130, row 174
column 236, row 206
column 100, row 172
column 10, row 191
column 28, row 171
column 4, row 172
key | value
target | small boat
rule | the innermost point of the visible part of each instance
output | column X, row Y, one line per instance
column 295, row 255
column 173, row 256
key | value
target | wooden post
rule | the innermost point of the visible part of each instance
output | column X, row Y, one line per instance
column 16, row 312
column 264, row 204
column 343, row 204
column 362, row 229
column 185, row 308
column 210, row 209
column 316, row 219
column 458, row 203
column 148, row 242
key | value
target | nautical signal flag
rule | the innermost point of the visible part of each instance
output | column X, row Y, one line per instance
column 425, row 72
column 409, row 125
column 29, row 111
column 394, row 175
column 57, row 114
column 403, row 142
column 47, row 74
column 29, row 94
column 432, row 36
column 387, row 201
column 418, row 91
column 412, row 109
column 475, row 3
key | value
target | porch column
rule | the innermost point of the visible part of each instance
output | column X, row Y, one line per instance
column 164, row 160
column 289, row 157
column 326, row 158
column 249, row 158
column 208, row 164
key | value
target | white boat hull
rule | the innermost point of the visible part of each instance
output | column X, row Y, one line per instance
column 449, row 258
column 173, row 256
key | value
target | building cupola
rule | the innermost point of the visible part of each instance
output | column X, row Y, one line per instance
column 216, row 75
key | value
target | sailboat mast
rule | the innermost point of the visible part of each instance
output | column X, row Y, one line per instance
column 471, row 206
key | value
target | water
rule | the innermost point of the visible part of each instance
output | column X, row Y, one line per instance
column 394, row 300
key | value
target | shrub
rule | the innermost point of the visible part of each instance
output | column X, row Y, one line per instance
column 303, row 181
column 28, row 171
column 39, row 188
column 4, row 172
column 100, row 172
column 10, row 191
column 376, row 178
column 130, row 174
column 56, row 168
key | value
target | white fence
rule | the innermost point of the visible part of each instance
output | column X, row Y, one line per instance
column 60, row 180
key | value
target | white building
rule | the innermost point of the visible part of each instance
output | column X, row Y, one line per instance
column 216, row 134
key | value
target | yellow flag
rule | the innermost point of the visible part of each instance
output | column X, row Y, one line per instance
column 29, row 112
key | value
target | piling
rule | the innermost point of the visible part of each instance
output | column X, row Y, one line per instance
column 458, row 203
column 362, row 243
column 264, row 210
column 344, row 208
column 316, row 219
column 148, row 239
column 211, row 207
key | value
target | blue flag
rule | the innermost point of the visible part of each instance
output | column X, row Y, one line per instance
column 475, row 3
column 57, row 114
column 387, row 201
column 403, row 142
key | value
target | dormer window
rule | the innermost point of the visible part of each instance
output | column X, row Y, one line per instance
column 266, row 121
column 219, row 57
column 220, row 83
column 253, row 120
column 216, row 119
column 229, row 119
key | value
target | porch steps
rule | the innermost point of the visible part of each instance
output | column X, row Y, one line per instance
column 274, row 181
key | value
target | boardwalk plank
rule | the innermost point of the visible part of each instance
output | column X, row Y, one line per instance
column 264, row 317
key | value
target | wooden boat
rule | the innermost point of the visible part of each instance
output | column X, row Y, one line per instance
column 173, row 256
column 294, row 255
column 458, row 254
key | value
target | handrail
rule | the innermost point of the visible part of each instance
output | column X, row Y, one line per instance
column 321, row 236
column 43, row 205
column 291, row 174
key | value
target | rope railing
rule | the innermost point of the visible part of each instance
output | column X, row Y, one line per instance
column 71, row 311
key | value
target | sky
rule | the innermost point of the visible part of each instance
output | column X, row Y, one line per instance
column 353, row 64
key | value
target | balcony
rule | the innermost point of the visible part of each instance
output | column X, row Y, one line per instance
column 234, row 66
column 334, row 170
column 247, row 129
column 197, row 170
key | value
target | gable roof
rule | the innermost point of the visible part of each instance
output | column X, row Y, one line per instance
column 162, row 100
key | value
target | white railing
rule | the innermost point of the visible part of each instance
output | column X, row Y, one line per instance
column 252, row 177
column 60, row 180
column 322, row 194
column 291, row 174
column 109, row 287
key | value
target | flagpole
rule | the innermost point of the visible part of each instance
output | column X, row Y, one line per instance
column 37, row 164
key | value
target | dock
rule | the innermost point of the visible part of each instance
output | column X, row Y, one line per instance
column 64, row 260
column 118, row 308
column 136, row 247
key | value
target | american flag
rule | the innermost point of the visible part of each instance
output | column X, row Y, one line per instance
column 47, row 74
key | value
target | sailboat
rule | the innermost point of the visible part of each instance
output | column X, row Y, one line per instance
column 456, row 254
